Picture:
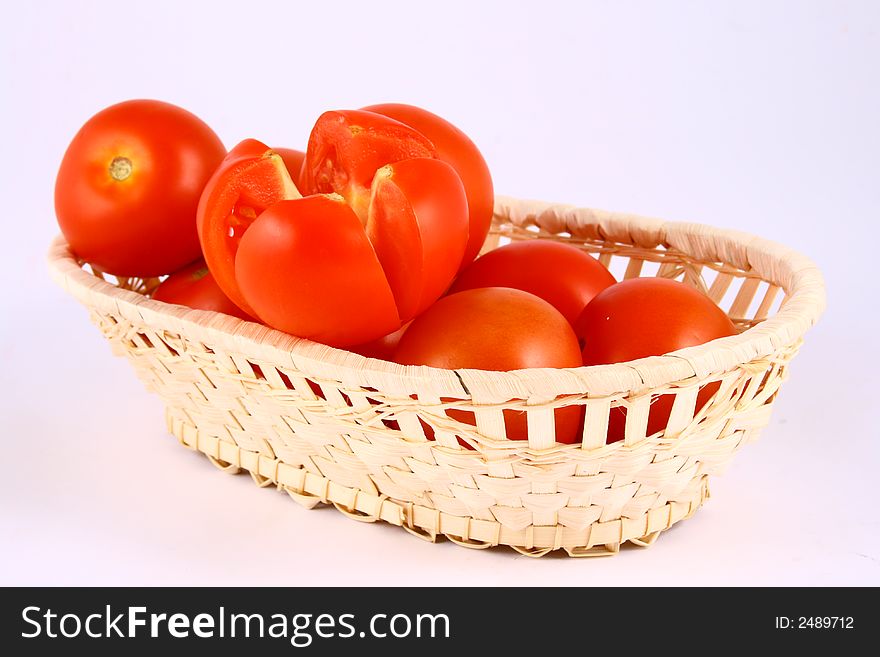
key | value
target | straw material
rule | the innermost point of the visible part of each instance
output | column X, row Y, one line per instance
column 330, row 426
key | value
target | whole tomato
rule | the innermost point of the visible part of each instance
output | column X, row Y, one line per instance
column 382, row 348
column 644, row 317
column 129, row 184
column 561, row 274
column 193, row 286
column 456, row 148
column 498, row 329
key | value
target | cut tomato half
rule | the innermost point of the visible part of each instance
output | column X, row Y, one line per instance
column 307, row 268
column 251, row 178
column 418, row 225
column 347, row 147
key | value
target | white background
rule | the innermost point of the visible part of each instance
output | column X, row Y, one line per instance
column 761, row 116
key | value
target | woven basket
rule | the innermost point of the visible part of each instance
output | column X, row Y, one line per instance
column 329, row 426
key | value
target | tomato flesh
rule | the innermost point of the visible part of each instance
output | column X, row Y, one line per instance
column 304, row 267
column 347, row 147
column 251, row 178
column 294, row 160
column 454, row 147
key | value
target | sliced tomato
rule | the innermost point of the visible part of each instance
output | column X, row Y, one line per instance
column 456, row 148
column 347, row 147
column 250, row 179
column 360, row 256
column 294, row 161
column 306, row 267
column 418, row 224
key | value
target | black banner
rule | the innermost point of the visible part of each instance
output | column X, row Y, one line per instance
column 398, row 621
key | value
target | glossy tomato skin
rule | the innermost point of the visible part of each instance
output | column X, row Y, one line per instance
column 418, row 225
column 251, row 178
column 382, row 348
column 306, row 267
column 644, row 317
column 456, row 148
column 347, row 147
column 561, row 274
column 498, row 329
column 193, row 286
column 129, row 184
column 294, row 160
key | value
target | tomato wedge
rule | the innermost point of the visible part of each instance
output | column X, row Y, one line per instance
column 306, row 267
column 347, row 147
column 250, row 179
column 418, row 224
column 454, row 147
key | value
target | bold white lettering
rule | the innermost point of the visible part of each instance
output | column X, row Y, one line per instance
column 24, row 617
column 178, row 626
column 203, row 626
column 134, row 621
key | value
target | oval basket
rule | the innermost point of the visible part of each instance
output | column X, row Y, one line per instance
column 329, row 426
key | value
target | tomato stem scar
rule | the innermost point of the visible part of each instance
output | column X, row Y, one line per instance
column 120, row 168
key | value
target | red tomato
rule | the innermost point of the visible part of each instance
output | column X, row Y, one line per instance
column 307, row 267
column 194, row 286
column 347, row 147
column 294, row 161
column 417, row 223
column 644, row 317
column 454, row 147
column 561, row 274
column 129, row 184
column 381, row 348
column 407, row 240
column 250, row 179
column 495, row 329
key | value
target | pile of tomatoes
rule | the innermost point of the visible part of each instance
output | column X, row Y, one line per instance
column 366, row 241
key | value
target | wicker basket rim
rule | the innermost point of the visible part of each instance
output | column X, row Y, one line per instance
column 796, row 274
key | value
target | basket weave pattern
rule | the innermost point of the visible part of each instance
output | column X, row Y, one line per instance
column 329, row 426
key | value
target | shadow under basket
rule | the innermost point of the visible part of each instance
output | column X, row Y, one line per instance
column 326, row 425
